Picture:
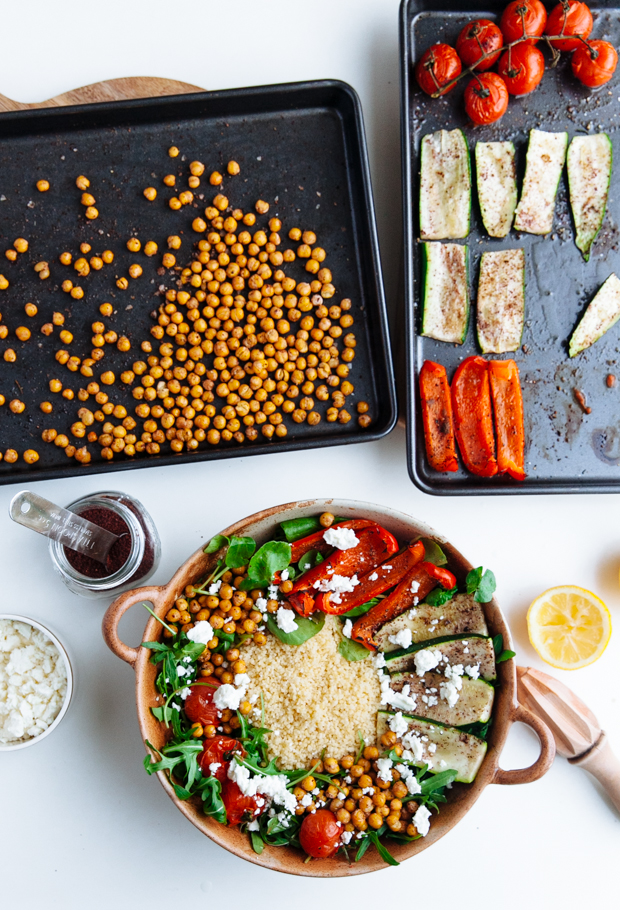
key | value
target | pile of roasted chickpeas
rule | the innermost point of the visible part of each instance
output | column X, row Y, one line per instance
column 357, row 796
column 238, row 345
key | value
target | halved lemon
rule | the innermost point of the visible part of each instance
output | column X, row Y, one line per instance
column 569, row 627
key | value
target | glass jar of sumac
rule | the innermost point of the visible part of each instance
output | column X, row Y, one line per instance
column 133, row 557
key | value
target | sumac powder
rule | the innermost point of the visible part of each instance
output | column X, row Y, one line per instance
column 119, row 553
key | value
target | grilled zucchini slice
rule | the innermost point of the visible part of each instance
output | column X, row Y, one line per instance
column 589, row 162
column 445, row 313
column 496, row 180
column 475, row 698
column 460, row 615
column 445, row 186
column 469, row 650
column 501, row 301
column 546, row 153
column 602, row 313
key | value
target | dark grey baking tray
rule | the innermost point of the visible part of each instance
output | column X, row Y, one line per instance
column 300, row 146
column 567, row 451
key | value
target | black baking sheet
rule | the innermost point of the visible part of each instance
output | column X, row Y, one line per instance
column 567, row 451
column 301, row 147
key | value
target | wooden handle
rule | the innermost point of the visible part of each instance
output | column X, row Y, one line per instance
column 117, row 609
column 544, row 760
column 110, row 90
column 601, row 762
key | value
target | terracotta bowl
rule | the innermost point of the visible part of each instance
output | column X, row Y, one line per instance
column 506, row 711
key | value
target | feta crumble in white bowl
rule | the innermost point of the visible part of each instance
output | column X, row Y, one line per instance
column 36, row 682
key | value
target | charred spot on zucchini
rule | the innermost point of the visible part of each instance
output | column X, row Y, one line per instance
column 445, row 313
column 501, row 301
column 445, row 186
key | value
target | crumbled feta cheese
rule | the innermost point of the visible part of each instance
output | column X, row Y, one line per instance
column 284, row 575
column 215, row 587
column 273, row 592
column 337, row 584
column 253, row 825
column 473, row 671
column 402, row 639
column 33, row 681
column 273, row 786
column 182, row 671
column 184, row 693
column 285, row 620
column 415, row 586
column 202, row 633
column 213, row 767
column 261, row 604
column 341, row 538
column 421, row 821
column 384, row 769
column 426, row 660
column 386, row 568
column 346, row 837
column 398, row 724
column 346, row 629
column 373, row 577
column 379, row 660
column 407, row 775
column 412, row 742
column 227, row 696
column 305, row 801
column 450, row 689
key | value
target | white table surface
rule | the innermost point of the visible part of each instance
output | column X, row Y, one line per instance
column 81, row 824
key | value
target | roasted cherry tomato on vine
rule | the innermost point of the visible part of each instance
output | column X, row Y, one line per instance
column 523, row 18
column 217, row 751
column 595, row 63
column 478, row 39
column 569, row 18
column 199, row 705
column 436, row 67
column 486, row 98
column 238, row 807
column 320, row 833
column 521, row 67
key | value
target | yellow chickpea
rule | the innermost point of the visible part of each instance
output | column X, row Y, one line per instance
column 17, row 406
column 134, row 245
column 77, row 293
column 122, row 284
column 66, row 337
column 23, row 333
column 82, row 182
column 11, row 456
column 233, row 168
column 168, row 260
column 173, row 151
column 31, row 309
column 199, row 225
column 43, row 186
column 150, row 193
column 150, row 248
column 96, row 263
column 175, row 204
column 262, row 207
column 4, row 283
column 20, row 244
column 215, row 178
column 11, row 255
column 91, row 213
column 107, row 256
column 108, row 378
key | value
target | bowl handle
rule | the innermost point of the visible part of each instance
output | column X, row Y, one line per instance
column 544, row 760
column 113, row 616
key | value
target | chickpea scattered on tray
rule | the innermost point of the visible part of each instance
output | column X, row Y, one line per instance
column 238, row 345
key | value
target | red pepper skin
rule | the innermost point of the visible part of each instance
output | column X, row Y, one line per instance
column 399, row 600
column 315, row 541
column 375, row 545
column 445, row 578
column 471, row 400
column 508, row 408
column 367, row 588
column 437, row 417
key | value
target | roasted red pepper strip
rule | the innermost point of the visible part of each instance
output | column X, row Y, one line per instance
column 316, row 542
column 382, row 579
column 508, row 407
column 437, row 417
column 471, row 400
column 375, row 545
column 445, row 578
column 416, row 583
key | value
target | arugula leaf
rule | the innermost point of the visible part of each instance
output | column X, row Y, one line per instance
column 363, row 608
column 382, row 850
column 505, row 655
column 216, row 543
column 437, row 782
column 306, row 628
column 481, row 584
column 212, row 803
column 365, row 843
column 162, row 713
column 439, row 596
column 273, row 556
column 309, row 560
column 258, row 844
column 433, row 552
column 155, row 646
column 240, row 551
column 352, row 650
column 192, row 649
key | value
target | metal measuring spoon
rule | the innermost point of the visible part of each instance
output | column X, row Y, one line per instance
column 41, row 515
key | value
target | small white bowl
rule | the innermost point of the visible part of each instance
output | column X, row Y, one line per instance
column 11, row 747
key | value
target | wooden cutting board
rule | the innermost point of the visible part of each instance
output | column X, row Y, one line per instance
column 110, row 90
